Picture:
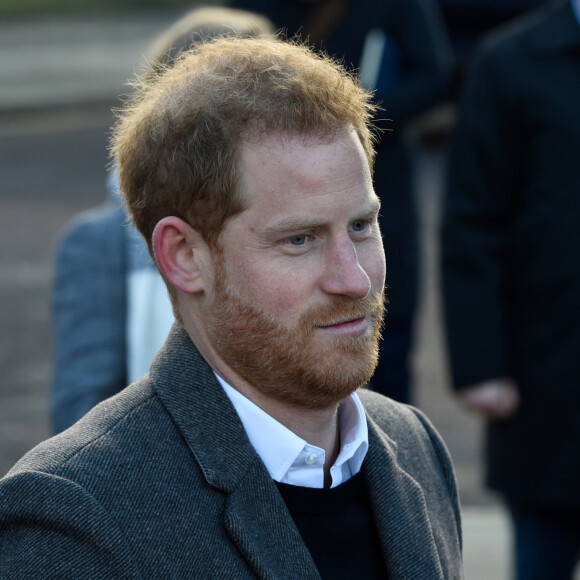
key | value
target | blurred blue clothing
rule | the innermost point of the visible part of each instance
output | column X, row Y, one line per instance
column 106, row 328
column 547, row 541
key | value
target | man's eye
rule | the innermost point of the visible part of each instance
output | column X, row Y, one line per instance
column 298, row 240
column 359, row 225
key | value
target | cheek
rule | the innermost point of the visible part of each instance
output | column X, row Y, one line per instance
column 278, row 291
column 285, row 295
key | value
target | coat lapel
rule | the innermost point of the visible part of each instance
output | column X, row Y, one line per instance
column 261, row 527
column 255, row 515
column 400, row 513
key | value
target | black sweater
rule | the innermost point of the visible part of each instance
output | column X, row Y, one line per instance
column 338, row 528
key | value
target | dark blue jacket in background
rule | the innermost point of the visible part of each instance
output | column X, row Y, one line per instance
column 511, row 249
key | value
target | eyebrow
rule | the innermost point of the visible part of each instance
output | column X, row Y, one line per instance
column 297, row 224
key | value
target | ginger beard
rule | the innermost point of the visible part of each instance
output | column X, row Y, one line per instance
column 302, row 366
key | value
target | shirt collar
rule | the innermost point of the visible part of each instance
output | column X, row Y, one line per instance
column 289, row 458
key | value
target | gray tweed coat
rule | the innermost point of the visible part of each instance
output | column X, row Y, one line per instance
column 161, row 482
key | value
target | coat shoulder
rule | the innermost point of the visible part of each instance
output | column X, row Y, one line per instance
column 91, row 441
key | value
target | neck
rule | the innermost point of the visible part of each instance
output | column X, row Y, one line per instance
column 317, row 426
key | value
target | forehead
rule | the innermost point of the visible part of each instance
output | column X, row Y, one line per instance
column 282, row 175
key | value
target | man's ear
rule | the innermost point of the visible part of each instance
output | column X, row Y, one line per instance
column 182, row 254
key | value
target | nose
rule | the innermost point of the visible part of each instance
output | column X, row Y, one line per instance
column 343, row 273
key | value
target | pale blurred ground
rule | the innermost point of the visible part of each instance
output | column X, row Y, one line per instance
column 58, row 80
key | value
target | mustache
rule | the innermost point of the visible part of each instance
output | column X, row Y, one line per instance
column 344, row 309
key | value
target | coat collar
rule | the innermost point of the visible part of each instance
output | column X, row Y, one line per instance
column 202, row 411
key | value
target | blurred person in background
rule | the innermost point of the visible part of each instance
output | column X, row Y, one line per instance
column 250, row 449
column 111, row 311
column 511, row 275
column 401, row 51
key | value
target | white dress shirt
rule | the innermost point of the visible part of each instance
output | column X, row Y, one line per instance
column 289, row 458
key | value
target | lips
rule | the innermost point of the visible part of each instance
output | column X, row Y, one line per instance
column 350, row 327
column 345, row 322
column 346, row 317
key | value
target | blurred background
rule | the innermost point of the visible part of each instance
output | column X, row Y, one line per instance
column 63, row 66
